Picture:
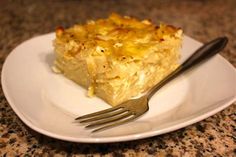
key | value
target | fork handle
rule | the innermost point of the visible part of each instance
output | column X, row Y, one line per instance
column 205, row 52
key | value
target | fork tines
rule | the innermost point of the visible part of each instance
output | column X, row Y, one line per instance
column 106, row 118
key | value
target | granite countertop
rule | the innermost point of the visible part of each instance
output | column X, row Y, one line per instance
column 200, row 19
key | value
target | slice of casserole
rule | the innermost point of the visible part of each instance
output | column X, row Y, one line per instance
column 117, row 58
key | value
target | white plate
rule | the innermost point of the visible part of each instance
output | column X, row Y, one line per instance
column 48, row 102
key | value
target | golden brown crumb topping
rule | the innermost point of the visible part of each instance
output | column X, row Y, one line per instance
column 116, row 36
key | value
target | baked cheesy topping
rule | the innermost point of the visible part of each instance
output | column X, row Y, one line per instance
column 118, row 57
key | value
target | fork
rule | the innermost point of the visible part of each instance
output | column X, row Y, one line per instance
column 134, row 108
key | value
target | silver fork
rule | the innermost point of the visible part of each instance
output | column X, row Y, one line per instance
column 134, row 108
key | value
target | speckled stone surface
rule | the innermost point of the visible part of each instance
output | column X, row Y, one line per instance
column 200, row 19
